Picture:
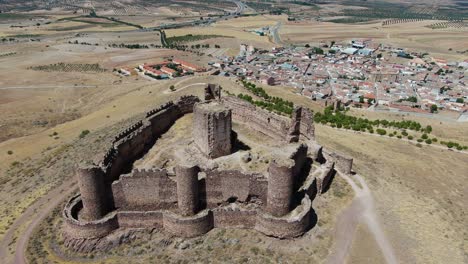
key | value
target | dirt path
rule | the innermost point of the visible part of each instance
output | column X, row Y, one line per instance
column 36, row 214
column 362, row 209
column 182, row 88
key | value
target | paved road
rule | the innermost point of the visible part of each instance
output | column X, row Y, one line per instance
column 275, row 33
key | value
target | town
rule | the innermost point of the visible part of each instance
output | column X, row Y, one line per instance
column 360, row 73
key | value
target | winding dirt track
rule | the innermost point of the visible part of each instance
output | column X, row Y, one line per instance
column 36, row 214
column 362, row 209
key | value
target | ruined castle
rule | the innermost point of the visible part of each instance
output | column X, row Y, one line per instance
column 191, row 198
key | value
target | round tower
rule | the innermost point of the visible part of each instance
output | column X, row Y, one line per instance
column 92, row 189
column 280, row 189
column 187, row 189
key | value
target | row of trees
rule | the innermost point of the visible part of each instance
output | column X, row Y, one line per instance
column 69, row 67
column 341, row 119
column 271, row 103
column 279, row 107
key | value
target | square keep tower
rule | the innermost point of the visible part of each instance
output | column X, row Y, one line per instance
column 212, row 124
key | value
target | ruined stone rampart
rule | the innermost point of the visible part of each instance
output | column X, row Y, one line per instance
column 234, row 218
column 326, row 174
column 212, row 92
column 233, row 184
column 124, row 133
column 274, row 125
column 191, row 226
column 145, row 190
column 307, row 128
column 140, row 219
column 268, row 123
column 292, row 225
column 343, row 163
column 86, row 229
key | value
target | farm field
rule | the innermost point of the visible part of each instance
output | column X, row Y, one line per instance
column 414, row 35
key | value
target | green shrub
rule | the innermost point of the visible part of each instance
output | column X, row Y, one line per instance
column 381, row 132
column 10, row 152
column 424, row 136
column 419, row 145
column 428, row 141
column 84, row 133
column 420, row 140
column 410, row 137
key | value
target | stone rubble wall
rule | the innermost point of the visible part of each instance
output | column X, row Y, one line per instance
column 268, row 123
column 140, row 219
column 289, row 226
column 191, row 226
column 343, row 163
column 225, row 218
column 145, row 190
column 222, row 185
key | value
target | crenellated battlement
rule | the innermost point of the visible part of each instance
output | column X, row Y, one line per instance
column 159, row 109
column 124, row 133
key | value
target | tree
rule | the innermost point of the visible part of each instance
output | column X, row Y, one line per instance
column 433, row 108
column 361, row 99
column 172, row 88
column 307, row 45
column 460, row 100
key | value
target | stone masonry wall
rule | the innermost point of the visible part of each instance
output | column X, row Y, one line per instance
column 222, row 185
column 271, row 124
column 212, row 126
column 188, row 226
column 288, row 226
column 342, row 162
column 145, row 190
column 224, row 218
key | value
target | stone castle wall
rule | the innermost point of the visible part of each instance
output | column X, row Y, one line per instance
column 223, row 185
column 257, row 118
column 145, row 190
column 226, row 218
column 343, row 163
column 86, row 229
column 286, row 227
column 192, row 226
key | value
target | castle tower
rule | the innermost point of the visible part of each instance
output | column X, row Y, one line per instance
column 187, row 189
column 280, row 189
column 212, row 125
column 91, row 183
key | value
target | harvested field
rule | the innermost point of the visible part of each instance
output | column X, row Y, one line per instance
column 414, row 36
